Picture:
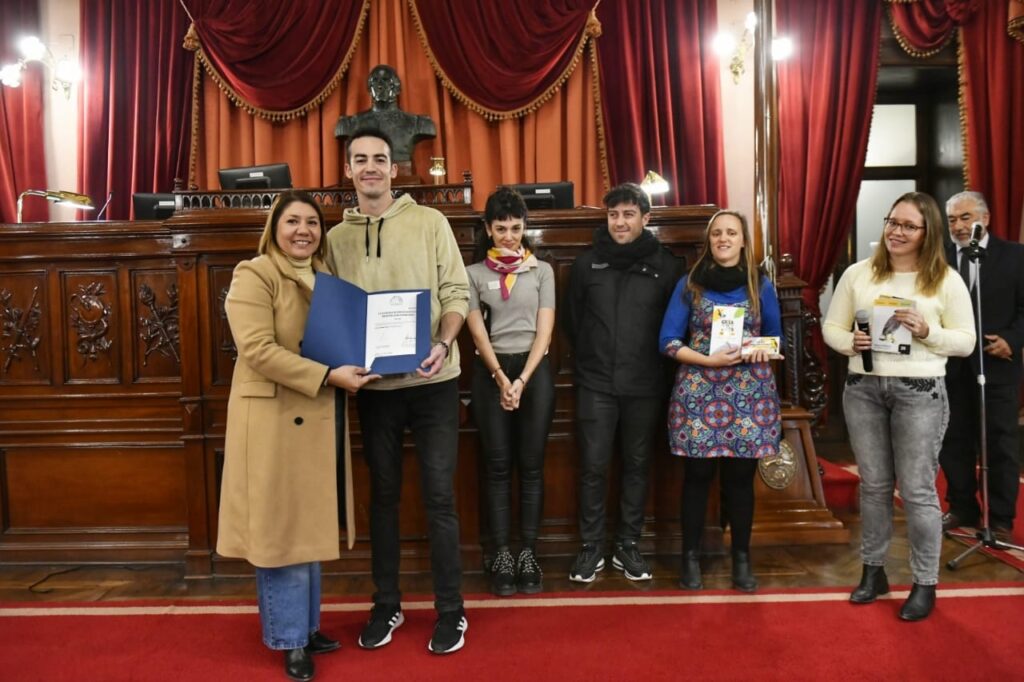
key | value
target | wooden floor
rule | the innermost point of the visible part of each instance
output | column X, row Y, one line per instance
column 805, row 566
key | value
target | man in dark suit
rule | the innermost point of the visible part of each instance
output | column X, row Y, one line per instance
column 1002, row 317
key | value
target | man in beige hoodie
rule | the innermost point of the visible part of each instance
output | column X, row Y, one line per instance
column 383, row 244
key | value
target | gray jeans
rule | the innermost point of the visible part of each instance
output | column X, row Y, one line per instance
column 896, row 426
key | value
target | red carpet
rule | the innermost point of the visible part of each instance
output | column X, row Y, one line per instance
column 837, row 485
column 975, row 633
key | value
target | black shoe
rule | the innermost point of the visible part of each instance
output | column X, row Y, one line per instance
column 690, row 577
column 872, row 584
column 528, row 573
column 952, row 521
column 503, row 574
column 588, row 564
column 742, row 576
column 449, row 632
column 919, row 604
column 1003, row 534
column 319, row 643
column 628, row 559
column 298, row 664
column 384, row 619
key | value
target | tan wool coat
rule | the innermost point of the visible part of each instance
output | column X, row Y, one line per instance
column 279, row 497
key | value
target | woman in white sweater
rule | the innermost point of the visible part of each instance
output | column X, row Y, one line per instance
column 897, row 413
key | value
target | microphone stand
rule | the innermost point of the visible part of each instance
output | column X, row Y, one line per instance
column 984, row 535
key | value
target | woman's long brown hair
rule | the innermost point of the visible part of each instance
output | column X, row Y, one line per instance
column 931, row 259
column 706, row 261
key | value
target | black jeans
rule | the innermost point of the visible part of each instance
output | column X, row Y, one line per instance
column 431, row 413
column 520, row 436
column 598, row 414
column 961, row 448
column 737, row 477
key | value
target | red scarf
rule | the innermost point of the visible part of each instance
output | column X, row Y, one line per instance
column 509, row 264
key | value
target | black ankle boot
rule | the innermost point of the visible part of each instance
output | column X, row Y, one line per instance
column 872, row 584
column 920, row 602
column 690, row 577
column 742, row 576
column 298, row 664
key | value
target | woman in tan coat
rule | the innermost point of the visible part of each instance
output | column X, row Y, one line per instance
column 279, row 499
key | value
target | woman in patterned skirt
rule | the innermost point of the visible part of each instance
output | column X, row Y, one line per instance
column 724, row 411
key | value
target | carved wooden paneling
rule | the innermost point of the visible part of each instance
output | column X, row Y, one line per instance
column 92, row 349
column 25, row 335
column 223, row 353
column 100, row 487
column 156, row 344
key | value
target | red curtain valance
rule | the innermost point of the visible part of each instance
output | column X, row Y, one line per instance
column 275, row 59
column 991, row 91
column 504, row 59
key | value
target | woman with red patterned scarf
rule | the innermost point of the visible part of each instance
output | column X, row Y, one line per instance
column 511, row 318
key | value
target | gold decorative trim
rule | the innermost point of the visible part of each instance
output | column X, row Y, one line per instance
column 905, row 44
column 193, row 43
column 602, row 143
column 193, row 147
column 1015, row 24
column 591, row 30
column 961, row 97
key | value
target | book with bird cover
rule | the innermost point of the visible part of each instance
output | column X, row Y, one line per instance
column 887, row 334
column 726, row 327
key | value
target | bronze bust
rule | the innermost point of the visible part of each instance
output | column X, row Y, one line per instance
column 404, row 129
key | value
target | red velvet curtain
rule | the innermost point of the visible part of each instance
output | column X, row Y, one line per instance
column 991, row 96
column 22, row 164
column 503, row 58
column 134, row 100
column 993, row 101
column 277, row 56
column 660, row 96
column 825, row 93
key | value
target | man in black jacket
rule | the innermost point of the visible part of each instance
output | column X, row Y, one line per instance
column 1002, row 317
column 617, row 295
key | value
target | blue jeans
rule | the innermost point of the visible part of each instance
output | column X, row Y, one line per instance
column 896, row 426
column 289, row 599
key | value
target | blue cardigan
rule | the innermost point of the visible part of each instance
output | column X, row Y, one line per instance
column 677, row 318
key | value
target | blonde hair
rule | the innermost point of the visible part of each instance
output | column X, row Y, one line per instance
column 706, row 261
column 931, row 259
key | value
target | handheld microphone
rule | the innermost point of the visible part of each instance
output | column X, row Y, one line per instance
column 863, row 325
column 976, row 233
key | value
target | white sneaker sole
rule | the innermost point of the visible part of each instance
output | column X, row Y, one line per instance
column 577, row 578
column 629, row 576
column 387, row 637
column 458, row 645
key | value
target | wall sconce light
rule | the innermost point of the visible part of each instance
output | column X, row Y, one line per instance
column 726, row 45
column 654, row 184
column 437, row 169
column 80, row 201
column 66, row 71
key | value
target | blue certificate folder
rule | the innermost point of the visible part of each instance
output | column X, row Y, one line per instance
column 336, row 328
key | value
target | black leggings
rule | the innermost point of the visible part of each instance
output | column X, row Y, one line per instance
column 737, row 477
column 519, row 436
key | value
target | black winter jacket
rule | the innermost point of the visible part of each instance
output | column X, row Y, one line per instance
column 612, row 318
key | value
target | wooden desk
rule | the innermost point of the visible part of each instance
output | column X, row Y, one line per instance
column 115, row 367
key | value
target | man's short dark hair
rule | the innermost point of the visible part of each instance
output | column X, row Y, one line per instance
column 366, row 132
column 628, row 193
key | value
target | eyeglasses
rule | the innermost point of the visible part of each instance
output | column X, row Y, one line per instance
column 906, row 228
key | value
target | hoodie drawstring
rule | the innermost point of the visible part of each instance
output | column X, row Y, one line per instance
column 380, row 226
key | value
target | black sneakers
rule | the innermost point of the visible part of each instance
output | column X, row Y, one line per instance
column 384, row 618
column 627, row 558
column 449, row 633
column 503, row 574
column 587, row 565
column 528, row 573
